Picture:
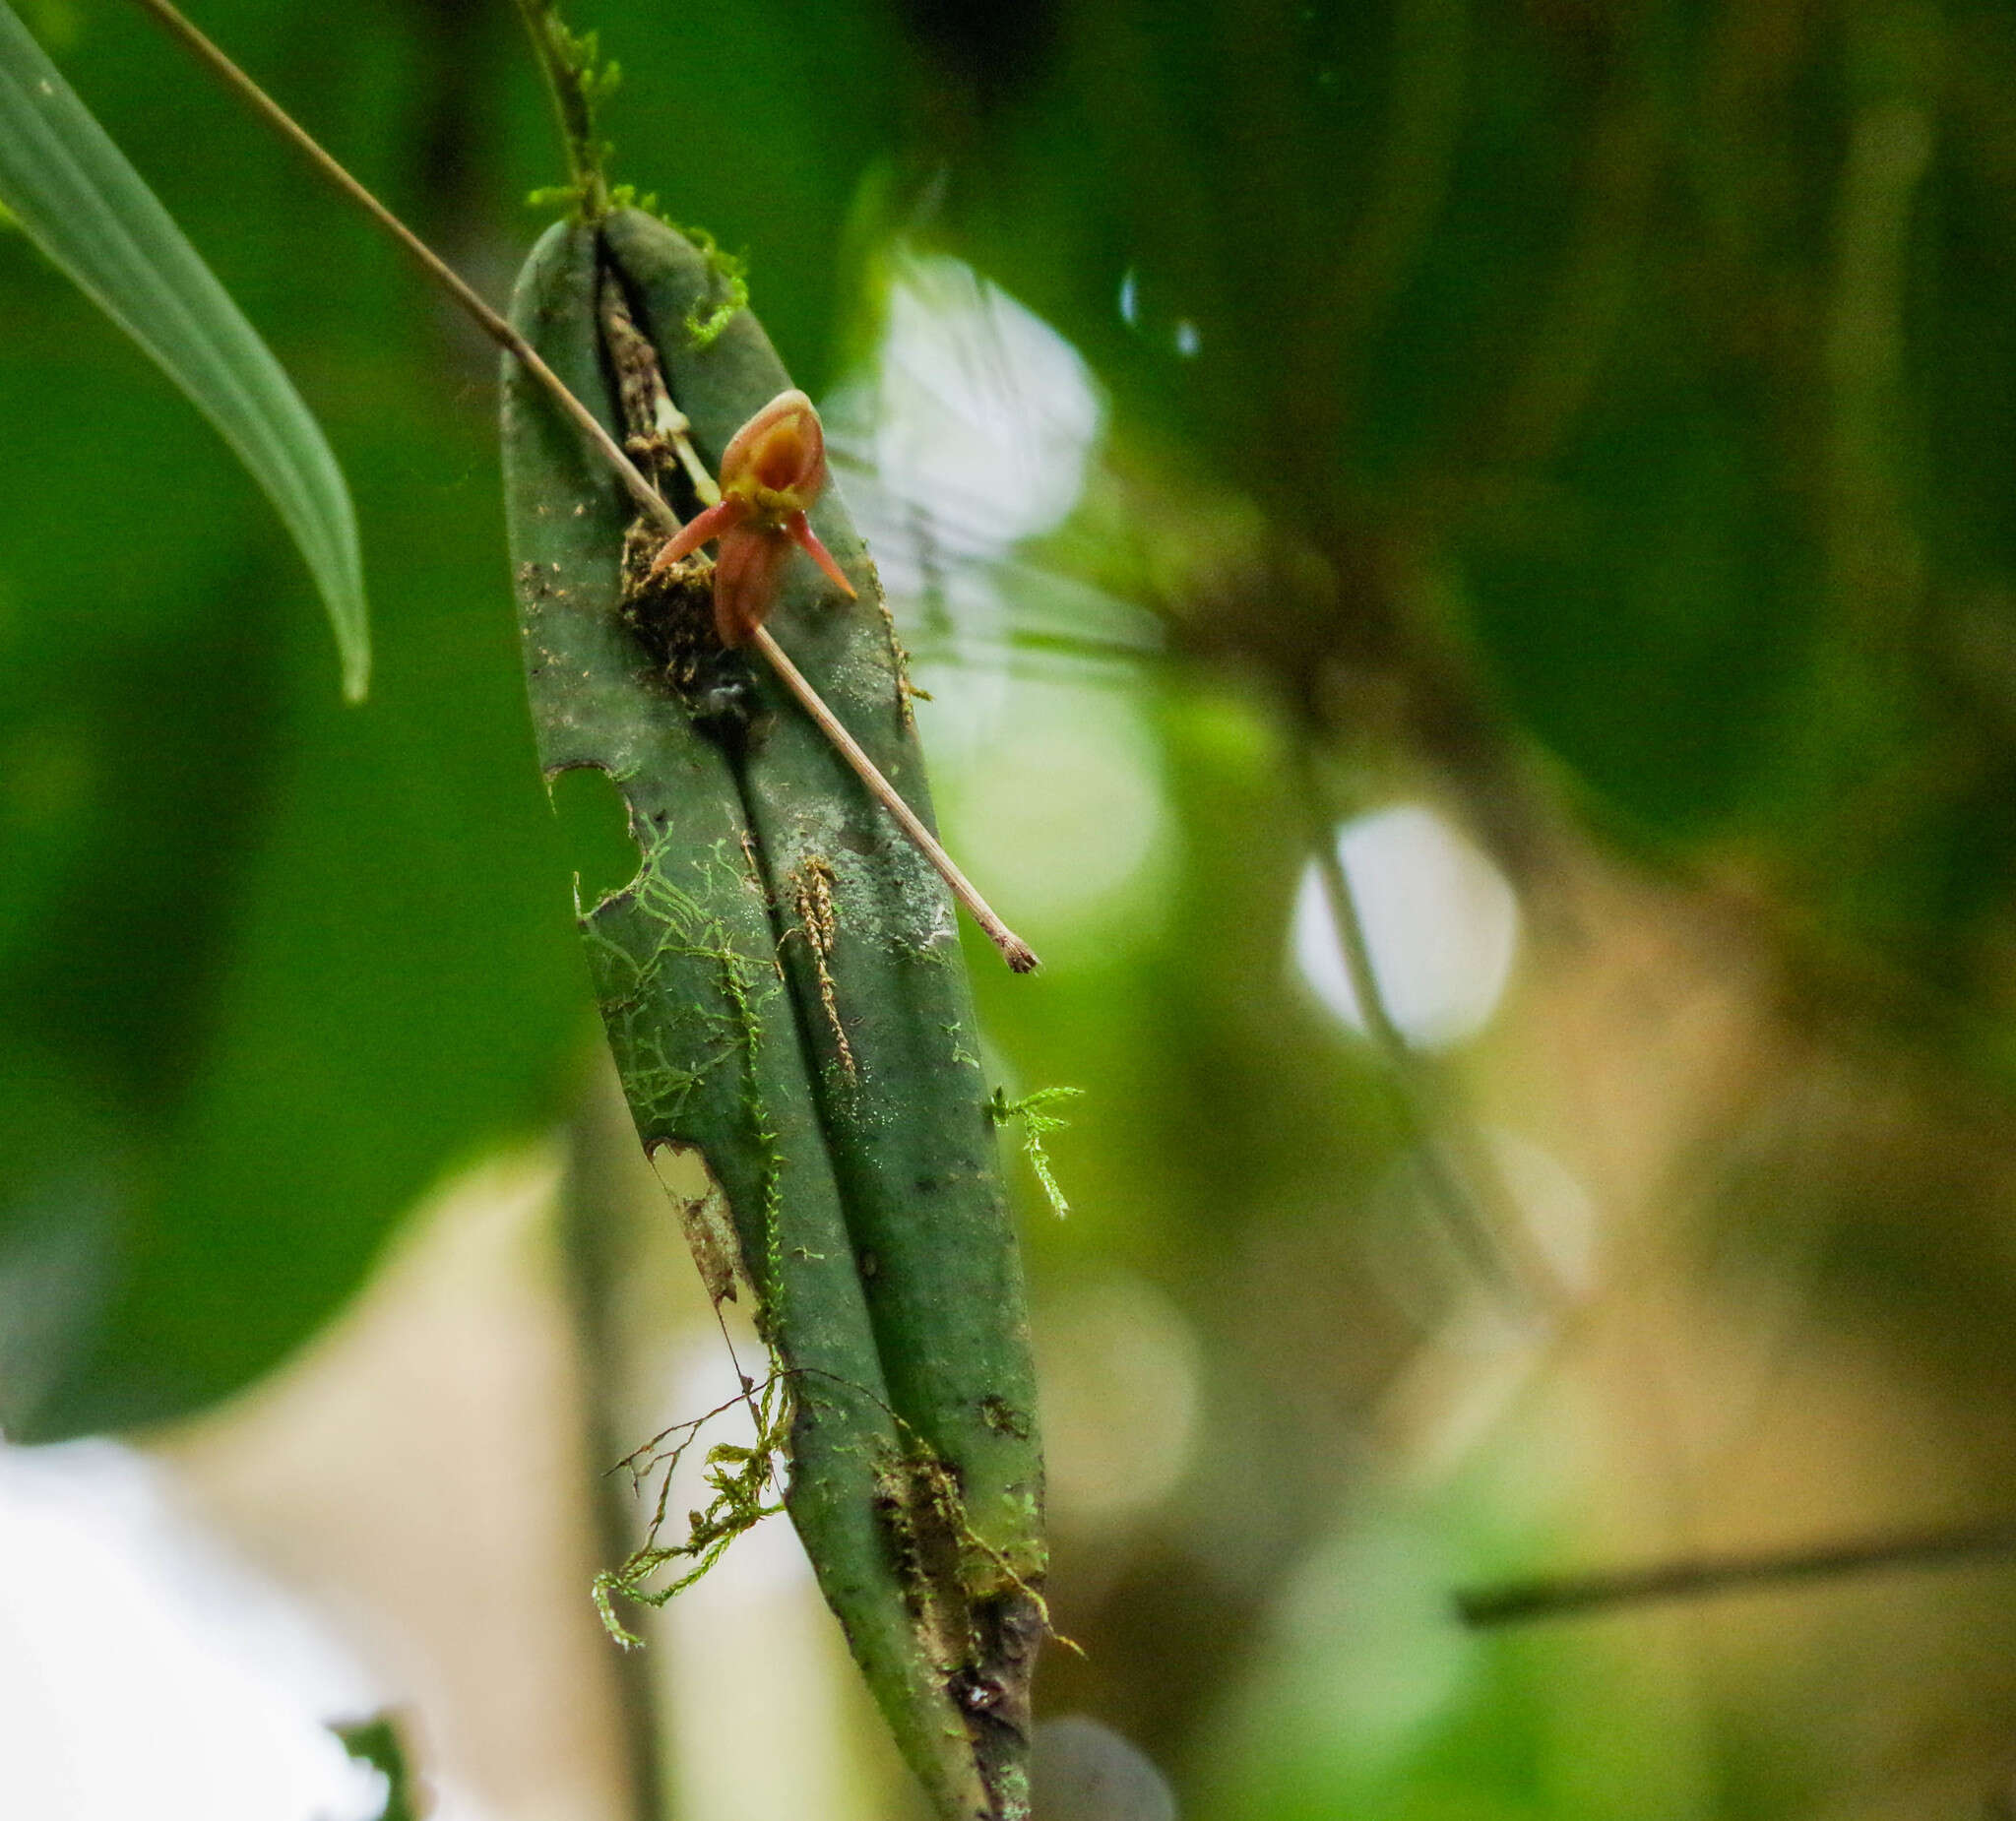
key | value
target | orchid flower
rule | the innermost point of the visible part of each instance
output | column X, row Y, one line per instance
column 772, row 470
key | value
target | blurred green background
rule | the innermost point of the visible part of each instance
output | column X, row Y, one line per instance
column 1586, row 425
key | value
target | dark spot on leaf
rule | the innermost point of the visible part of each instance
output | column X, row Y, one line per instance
column 1005, row 1419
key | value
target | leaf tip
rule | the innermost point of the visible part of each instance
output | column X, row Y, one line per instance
column 356, row 672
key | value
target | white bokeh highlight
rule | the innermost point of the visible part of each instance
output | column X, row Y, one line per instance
column 144, row 1671
column 971, row 430
column 1440, row 922
column 1064, row 813
column 974, row 413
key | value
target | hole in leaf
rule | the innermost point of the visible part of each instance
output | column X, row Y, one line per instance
column 682, row 1171
column 703, row 1208
column 594, row 832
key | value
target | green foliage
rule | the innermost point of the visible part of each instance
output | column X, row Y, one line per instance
column 1037, row 1123
column 269, row 967
column 377, row 1743
column 72, row 191
column 1596, row 417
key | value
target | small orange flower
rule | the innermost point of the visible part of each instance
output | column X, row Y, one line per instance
column 772, row 470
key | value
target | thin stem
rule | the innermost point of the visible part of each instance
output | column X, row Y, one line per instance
column 1014, row 950
column 1421, row 1096
column 1017, row 953
column 1702, row 1576
column 429, row 261
column 570, row 81
column 599, row 1237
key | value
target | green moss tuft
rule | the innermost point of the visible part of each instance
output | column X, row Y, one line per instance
column 1036, row 1125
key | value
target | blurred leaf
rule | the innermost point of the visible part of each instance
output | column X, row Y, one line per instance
column 269, row 966
column 328, row 958
column 1646, row 623
column 75, row 194
column 376, row 1741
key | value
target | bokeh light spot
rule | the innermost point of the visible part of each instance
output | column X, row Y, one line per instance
column 1440, row 922
column 1061, row 817
column 1122, row 1375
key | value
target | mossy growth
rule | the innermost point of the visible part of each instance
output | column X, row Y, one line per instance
column 731, row 274
column 1036, row 1125
column 582, row 81
column 743, row 1480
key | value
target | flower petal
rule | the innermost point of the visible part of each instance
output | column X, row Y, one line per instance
column 800, row 529
column 746, row 582
column 702, row 528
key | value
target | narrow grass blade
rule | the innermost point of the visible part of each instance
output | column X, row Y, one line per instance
column 75, row 194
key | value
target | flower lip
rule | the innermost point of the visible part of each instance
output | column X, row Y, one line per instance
column 777, row 461
column 780, row 460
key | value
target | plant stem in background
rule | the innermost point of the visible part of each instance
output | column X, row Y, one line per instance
column 1699, row 1576
column 599, row 1233
column 1451, row 1160
column 576, row 85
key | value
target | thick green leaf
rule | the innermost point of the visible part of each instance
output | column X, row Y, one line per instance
column 75, row 194
column 867, row 938
column 784, row 992
column 684, row 962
